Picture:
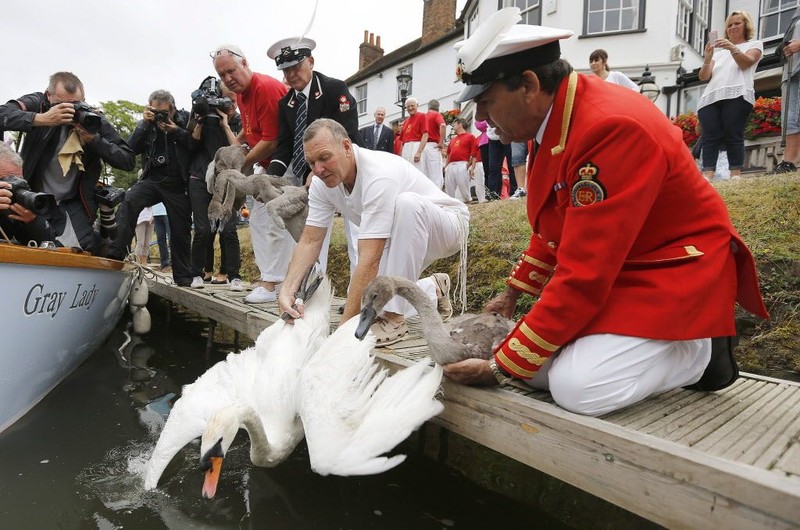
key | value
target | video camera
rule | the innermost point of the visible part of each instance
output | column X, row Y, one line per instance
column 208, row 98
column 108, row 195
column 88, row 119
column 38, row 203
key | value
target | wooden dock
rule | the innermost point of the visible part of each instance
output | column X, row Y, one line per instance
column 683, row 459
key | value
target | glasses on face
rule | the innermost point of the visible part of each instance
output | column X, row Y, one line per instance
column 217, row 53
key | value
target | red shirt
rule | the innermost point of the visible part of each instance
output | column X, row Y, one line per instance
column 462, row 147
column 258, row 106
column 435, row 120
column 414, row 127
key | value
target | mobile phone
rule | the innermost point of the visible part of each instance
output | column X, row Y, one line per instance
column 713, row 35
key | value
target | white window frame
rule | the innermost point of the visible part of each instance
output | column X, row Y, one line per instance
column 638, row 18
column 784, row 11
column 692, row 23
column 530, row 10
column 361, row 99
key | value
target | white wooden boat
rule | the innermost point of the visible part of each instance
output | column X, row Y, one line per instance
column 58, row 306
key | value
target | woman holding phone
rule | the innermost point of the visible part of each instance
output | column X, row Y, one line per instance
column 728, row 65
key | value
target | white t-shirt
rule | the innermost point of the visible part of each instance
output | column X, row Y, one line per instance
column 618, row 78
column 728, row 81
column 380, row 178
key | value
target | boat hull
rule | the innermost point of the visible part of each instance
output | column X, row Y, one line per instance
column 56, row 311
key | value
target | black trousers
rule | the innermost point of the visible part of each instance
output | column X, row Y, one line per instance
column 497, row 152
column 179, row 215
column 228, row 239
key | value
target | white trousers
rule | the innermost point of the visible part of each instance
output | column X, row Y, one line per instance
column 432, row 158
column 480, row 185
column 598, row 374
column 422, row 232
column 408, row 152
column 272, row 246
column 456, row 181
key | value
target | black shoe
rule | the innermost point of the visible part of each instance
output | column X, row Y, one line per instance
column 722, row 369
column 341, row 309
column 783, row 167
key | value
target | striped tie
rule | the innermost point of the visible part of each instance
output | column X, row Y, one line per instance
column 298, row 160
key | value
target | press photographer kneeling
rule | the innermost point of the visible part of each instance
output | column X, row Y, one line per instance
column 20, row 208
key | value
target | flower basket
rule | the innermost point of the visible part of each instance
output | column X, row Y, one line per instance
column 450, row 115
column 765, row 120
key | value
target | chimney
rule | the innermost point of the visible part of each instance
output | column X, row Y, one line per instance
column 438, row 19
column 370, row 50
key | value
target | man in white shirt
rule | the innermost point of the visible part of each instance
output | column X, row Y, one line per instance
column 405, row 223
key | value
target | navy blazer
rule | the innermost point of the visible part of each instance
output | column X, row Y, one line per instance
column 385, row 140
column 329, row 98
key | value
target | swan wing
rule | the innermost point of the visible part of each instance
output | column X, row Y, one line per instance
column 353, row 411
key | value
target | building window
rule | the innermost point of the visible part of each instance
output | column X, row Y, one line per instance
column 472, row 22
column 530, row 10
column 361, row 99
column 693, row 16
column 408, row 69
column 613, row 16
column 775, row 17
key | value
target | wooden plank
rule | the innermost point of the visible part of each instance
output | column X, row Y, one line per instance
column 725, row 433
column 711, row 411
column 627, row 468
column 674, row 407
column 764, row 427
column 770, row 457
column 790, row 462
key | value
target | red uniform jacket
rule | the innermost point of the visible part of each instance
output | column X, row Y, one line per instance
column 628, row 237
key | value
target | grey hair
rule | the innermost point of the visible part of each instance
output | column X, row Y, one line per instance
column 68, row 80
column 412, row 100
column 161, row 96
column 337, row 130
column 9, row 155
column 231, row 50
column 433, row 104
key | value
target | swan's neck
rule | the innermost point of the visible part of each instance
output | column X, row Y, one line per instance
column 443, row 349
column 259, row 444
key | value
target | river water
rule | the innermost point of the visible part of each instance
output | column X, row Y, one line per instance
column 75, row 461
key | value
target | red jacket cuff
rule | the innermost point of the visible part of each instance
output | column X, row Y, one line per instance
column 530, row 274
column 523, row 352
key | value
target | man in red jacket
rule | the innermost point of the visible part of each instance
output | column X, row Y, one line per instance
column 633, row 257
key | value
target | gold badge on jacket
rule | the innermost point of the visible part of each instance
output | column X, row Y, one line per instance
column 588, row 189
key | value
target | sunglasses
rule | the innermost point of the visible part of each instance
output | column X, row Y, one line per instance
column 219, row 52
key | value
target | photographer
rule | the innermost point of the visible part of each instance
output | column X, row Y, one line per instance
column 216, row 124
column 65, row 144
column 16, row 220
column 164, row 145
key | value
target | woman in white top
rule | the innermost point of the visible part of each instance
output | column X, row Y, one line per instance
column 729, row 64
column 598, row 63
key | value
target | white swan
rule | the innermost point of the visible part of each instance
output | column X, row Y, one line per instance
column 462, row 337
column 255, row 389
column 353, row 412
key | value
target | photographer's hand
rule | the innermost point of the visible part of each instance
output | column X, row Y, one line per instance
column 85, row 136
column 15, row 211
column 59, row 114
column 167, row 126
column 148, row 115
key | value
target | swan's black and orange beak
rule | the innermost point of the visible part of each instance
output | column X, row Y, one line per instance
column 365, row 321
column 211, row 464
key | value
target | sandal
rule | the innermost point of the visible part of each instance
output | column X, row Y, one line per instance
column 387, row 333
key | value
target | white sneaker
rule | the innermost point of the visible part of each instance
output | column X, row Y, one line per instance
column 260, row 295
column 237, row 284
column 197, row 282
column 519, row 193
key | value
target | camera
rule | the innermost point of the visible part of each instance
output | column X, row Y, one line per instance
column 38, row 203
column 208, row 98
column 108, row 195
column 88, row 119
column 161, row 116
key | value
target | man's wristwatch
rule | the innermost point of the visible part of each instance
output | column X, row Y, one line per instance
column 499, row 374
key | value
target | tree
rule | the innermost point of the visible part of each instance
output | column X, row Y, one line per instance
column 123, row 115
